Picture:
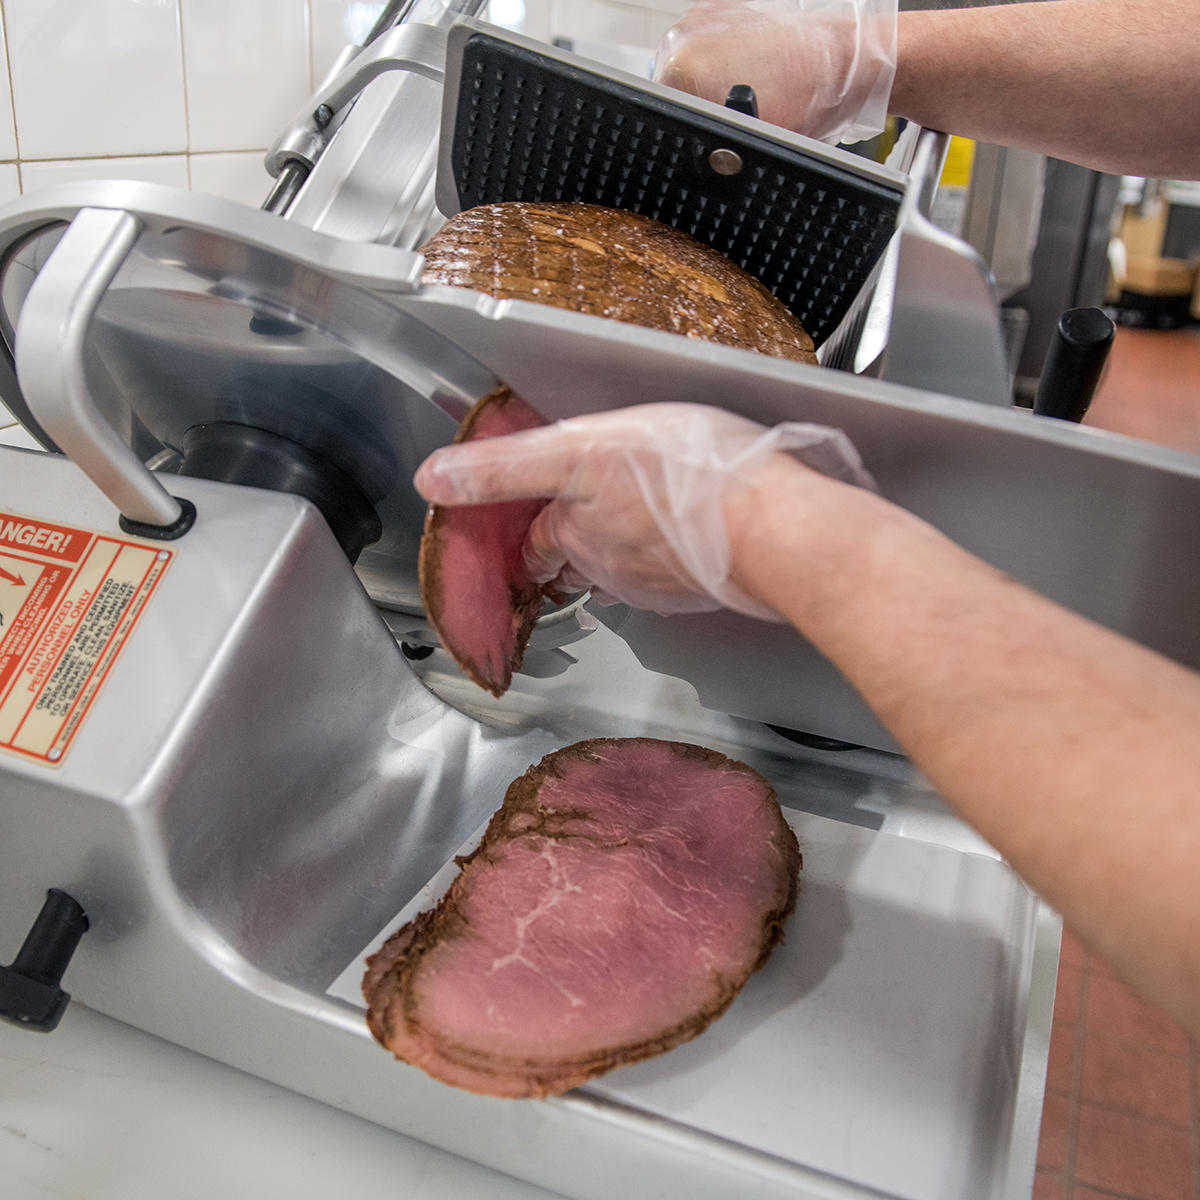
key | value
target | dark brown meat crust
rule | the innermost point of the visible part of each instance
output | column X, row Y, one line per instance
column 391, row 1004
column 612, row 263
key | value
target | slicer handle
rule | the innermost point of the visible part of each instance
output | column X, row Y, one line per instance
column 51, row 336
column 30, row 996
column 742, row 99
column 1074, row 362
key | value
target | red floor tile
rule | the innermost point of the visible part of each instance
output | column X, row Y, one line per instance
column 1061, row 1073
column 1113, row 1010
column 1056, row 1131
column 1068, row 996
column 1132, row 1157
column 1149, row 390
column 1050, row 1185
column 1072, row 953
column 1142, row 1081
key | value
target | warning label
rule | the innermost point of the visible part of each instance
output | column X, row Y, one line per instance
column 69, row 599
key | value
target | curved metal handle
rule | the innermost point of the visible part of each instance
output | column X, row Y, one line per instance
column 418, row 49
column 51, row 334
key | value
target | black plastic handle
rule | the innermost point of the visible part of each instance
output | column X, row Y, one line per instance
column 1074, row 363
column 30, row 996
column 742, row 99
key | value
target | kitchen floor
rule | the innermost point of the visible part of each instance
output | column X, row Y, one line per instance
column 1121, row 1119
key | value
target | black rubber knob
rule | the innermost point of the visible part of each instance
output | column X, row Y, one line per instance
column 30, row 995
column 742, row 99
column 1074, row 364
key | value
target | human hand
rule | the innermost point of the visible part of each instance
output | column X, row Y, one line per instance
column 640, row 497
column 823, row 68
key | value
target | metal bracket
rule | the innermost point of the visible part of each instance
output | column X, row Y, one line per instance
column 416, row 48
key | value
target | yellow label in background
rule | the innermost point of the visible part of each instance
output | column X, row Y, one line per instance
column 69, row 599
column 959, row 159
column 949, row 209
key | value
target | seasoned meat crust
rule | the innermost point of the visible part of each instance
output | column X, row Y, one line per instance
column 620, row 898
column 612, row 263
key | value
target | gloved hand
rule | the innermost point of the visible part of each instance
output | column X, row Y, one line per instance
column 819, row 67
column 638, row 497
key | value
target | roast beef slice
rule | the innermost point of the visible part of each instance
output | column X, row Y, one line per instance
column 474, row 586
column 619, row 899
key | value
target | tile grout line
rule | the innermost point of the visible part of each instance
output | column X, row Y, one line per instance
column 1077, row 1073
column 1194, row 1065
column 187, row 108
column 12, row 97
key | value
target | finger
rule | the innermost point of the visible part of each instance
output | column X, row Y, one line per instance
column 531, row 465
column 536, row 464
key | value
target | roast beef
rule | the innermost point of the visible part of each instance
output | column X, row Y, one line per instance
column 612, row 263
column 618, row 901
column 474, row 586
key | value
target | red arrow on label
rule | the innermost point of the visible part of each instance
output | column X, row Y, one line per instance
column 12, row 578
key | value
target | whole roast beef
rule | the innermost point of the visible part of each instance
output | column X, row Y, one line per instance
column 589, row 259
column 612, row 263
column 619, row 899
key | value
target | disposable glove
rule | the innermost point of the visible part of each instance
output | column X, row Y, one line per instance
column 819, row 67
column 638, row 497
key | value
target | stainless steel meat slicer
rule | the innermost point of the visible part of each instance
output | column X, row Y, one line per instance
column 236, row 761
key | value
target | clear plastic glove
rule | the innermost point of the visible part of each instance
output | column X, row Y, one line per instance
column 637, row 495
column 823, row 68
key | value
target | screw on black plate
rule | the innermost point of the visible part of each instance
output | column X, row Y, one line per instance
column 415, row 653
column 725, row 161
column 30, row 996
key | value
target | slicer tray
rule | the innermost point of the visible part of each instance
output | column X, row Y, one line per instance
column 882, row 1042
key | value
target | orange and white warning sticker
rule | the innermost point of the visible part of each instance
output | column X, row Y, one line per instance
column 69, row 599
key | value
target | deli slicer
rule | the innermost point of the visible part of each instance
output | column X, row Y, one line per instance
column 237, row 759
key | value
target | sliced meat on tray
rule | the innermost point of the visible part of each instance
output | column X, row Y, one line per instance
column 474, row 586
column 619, row 899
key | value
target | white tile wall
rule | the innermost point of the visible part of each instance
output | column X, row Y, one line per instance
column 95, row 77
column 191, row 92
column 247, row 69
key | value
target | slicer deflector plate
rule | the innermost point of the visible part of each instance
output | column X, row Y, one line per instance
column 524, row 123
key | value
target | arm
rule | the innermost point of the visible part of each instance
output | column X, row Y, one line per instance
column 1111, row 84
column 1076, row 753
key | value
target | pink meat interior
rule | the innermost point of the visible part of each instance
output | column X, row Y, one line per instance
column 620, row 926
column 483, row 580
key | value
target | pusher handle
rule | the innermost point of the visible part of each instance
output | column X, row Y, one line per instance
column 51, row 336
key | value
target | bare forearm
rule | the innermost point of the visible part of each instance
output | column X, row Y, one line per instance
column 1075, row 752
column 1111, row 84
